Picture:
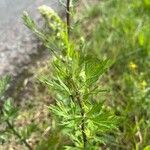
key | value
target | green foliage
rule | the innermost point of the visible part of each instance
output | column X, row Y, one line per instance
column 81, row 119
column 3, row 84
column 8, row 115
column 9, row 111
column 51, row 23
column 147, row 147
column 28, row 130
column 74, row 80
column 121, row 31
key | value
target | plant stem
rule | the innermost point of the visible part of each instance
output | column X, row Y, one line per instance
column 18, row 135
column 138, row 133
column 68, row 17
column 82, row 112
column 83, row 121
column 77, row 93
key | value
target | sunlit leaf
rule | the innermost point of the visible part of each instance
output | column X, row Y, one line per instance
column 96, row 108
column 94, row 68
column 147, row 147
column 141, row 39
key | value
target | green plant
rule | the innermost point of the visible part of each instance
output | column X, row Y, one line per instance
column 121, row 31
column 8, row 115
column 78, row 112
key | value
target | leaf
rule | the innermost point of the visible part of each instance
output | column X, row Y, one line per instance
column 58, row 110
column 94, row 68
column 3, row 83
column 95, row 109
column 52, row 142
column 64, row 86
column 30, row 23
column 141, row 39
column 3, row 136
column 105, row 121
column 70, row 148
column 147, row 3
column 57, row 85
column 28, row 130
column 94, row 92
column 9, row 111
column 147, row 147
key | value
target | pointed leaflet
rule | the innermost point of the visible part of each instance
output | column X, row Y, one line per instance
column 9, row 111
column 30, row 23
column 95, row 109
column 94, row 68
column 105, row 121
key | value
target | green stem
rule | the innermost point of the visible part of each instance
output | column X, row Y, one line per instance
column 77, row 93
column 83, row 121
column 82, row 112
column 18, row 135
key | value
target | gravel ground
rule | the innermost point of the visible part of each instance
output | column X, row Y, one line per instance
column 18, row 47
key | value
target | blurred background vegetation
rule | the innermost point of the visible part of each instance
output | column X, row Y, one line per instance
column 115, row 29
column 120, row 30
